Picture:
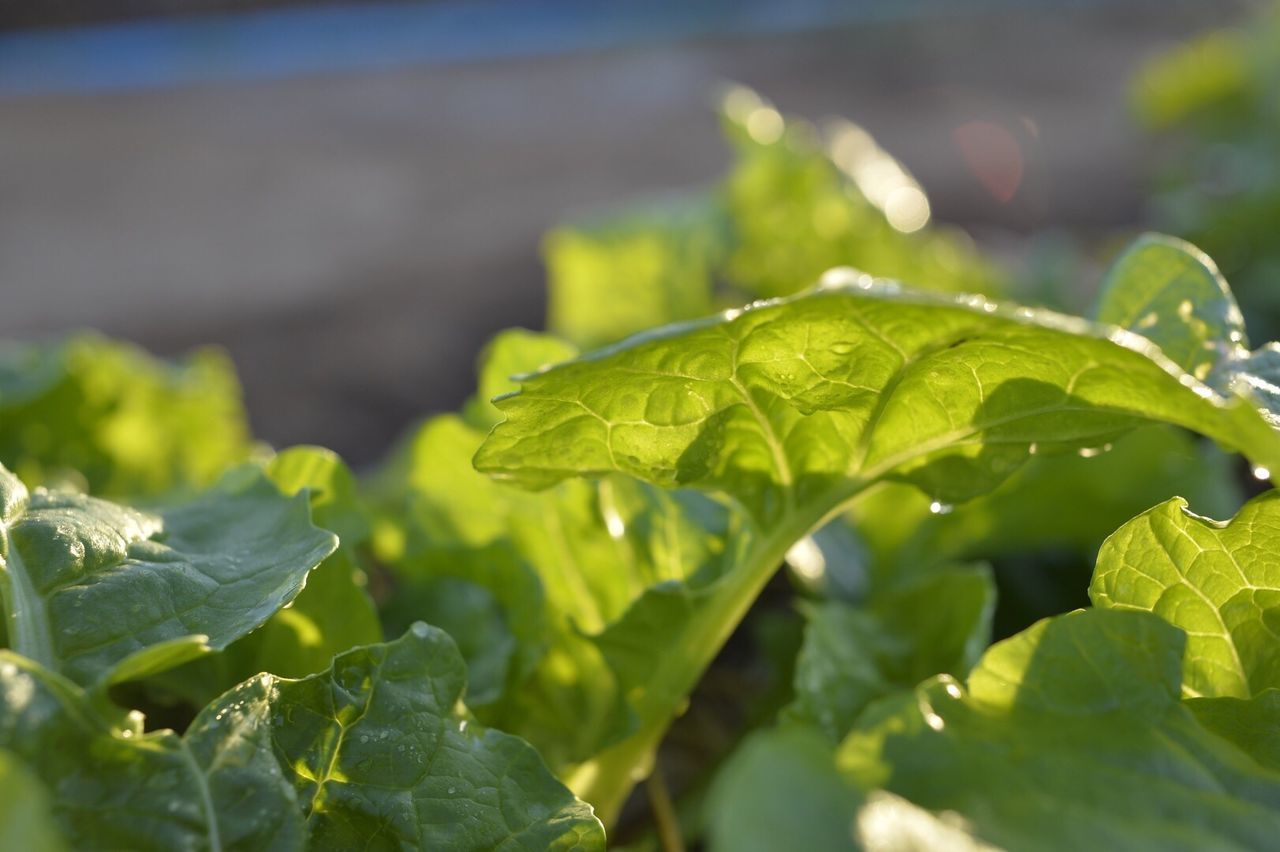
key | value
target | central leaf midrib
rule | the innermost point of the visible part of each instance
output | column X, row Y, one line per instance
column 30, row 633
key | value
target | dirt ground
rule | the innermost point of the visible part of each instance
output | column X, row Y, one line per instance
column 352, row 240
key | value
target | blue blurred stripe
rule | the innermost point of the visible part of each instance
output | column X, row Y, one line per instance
column 297, row 41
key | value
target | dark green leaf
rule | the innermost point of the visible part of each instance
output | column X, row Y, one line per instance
column 114, row 787
column 936, row 624
column 382, row 756
column 102, row 593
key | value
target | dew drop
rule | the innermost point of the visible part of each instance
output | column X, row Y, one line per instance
column 939, row 508
column 1261, row 473
column 420, row 629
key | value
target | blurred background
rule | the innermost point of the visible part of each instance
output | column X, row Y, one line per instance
column 351, row 198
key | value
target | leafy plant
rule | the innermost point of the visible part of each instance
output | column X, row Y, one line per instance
column 484, row 643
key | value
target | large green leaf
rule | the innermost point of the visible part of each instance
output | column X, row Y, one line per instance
column 793, row 407
column 114, row 787
column 102, row 593
column 382, row 756
column 800, row 403
column 1218, row 582
column 108, row 412
column 1071, row 735
column 935, row 624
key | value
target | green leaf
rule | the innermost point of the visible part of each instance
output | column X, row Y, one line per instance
column 476, row 621
column 936, row 624
column 511, row 353
column 1172, row 293
column 639, row 270
column 381, row 755
column 332, row 613
column 100, row 593
column 109, row 417
column 1070, row 501
column 585, row 575
column 335, row 498
column 800, row 403
column 26, row 821
column 1220, row 582
column 795, row 203
column 1257, row 375
column 570, row 590
column 114, row 787
column 800, row 203
column 1071, row 735
column 781, row 790
column 1253, row 724
column 792, row 408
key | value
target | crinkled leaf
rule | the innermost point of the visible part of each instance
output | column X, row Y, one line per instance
column 1220, row 582
column 795, row 405
column 936, row 624
column 1070, row 735
column 381, row 754
column 108, row 412
column 26, row 819
column 100, row 593
column 113, row 787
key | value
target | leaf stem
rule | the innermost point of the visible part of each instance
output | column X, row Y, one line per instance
column 25, row 615
column 664, row 813
column 607, row 779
